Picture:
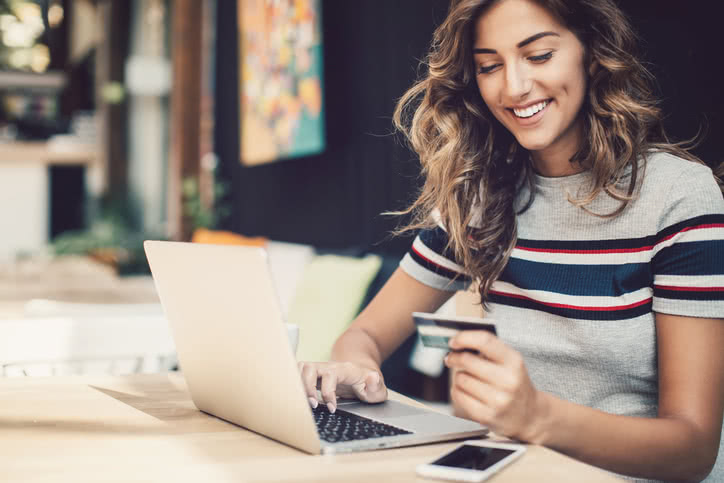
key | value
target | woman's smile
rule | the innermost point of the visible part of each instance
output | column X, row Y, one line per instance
column 531, row 114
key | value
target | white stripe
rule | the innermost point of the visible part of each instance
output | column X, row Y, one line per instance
column 690, row 280
column 644, row 256
column 436, row 257
column 583, row 258
column 578, row 300
column 430, row 278
column 701, row 234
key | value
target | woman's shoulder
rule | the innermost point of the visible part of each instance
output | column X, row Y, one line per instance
column 679, row 189
column 667, row 166
column 668, row 174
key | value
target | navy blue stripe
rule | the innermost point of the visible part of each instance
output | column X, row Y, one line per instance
column 696, row 221
column 595, row 280
column 619, row 243
column 687, row 294
column 623, row 314
column 588, row 245
column 436, row 240
column 691, row 258
column 437, row 269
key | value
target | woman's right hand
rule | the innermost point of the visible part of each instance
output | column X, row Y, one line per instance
column 341, row 379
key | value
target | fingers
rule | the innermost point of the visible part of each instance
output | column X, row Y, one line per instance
column 355, row 381
column 487, row 344
column 470, row 407
column 328, row 388
column 340, row 379
column 371, row 389
column 376, row 388
column 487, row 394
column 325, row 376
column 308, row 371
column 481, row 368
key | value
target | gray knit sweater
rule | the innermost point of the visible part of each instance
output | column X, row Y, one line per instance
column 579, row 293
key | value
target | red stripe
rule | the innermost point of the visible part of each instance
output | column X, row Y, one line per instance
column 690, row 289
column 586, row 252
column 619, row 250
column 434, row 263
column 575, row 307
column 698, row 227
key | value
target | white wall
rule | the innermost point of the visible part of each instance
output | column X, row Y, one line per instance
column 23, row 207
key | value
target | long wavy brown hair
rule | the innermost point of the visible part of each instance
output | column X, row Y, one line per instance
column 472, row 164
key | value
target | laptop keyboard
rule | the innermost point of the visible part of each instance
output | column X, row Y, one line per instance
column 344, row 426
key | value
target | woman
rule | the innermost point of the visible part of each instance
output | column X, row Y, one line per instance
column 597, row 245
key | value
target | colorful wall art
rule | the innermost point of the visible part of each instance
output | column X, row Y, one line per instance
column 281, row 92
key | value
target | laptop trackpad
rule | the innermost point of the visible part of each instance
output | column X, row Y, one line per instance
column 384, row 411
column 433, row 423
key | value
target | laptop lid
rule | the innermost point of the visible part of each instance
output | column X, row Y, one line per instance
column 233, row 348
column 230, row 338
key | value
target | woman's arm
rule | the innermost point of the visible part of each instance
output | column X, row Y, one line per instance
column 380, row 328
column 680, row 444
column 387, row 321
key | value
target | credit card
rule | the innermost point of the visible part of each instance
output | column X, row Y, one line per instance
column 436, row 330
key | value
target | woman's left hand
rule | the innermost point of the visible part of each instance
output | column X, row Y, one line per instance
column 493, row 387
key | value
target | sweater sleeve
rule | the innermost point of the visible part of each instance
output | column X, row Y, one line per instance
column 688, row 261
column 430, row 262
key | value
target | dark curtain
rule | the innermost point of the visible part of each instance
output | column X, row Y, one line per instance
column 371, row 54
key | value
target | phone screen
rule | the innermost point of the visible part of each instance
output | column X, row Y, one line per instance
column 473, row 457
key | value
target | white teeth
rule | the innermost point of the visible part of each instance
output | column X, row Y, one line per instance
column 528, row 112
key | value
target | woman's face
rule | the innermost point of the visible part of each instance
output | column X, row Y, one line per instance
column 530, row 73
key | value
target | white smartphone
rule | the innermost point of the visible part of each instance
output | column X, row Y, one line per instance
column 472, row 461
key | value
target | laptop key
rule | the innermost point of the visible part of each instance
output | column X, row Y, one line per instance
column 344, row 426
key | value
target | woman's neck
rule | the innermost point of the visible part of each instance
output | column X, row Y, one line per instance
column 555, row 160
column 554, row 167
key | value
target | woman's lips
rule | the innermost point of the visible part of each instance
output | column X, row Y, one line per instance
column 528, row 121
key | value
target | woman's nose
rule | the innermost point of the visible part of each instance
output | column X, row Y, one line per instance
column 517, row 82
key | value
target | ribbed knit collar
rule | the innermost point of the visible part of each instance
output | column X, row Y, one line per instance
column 562, row 182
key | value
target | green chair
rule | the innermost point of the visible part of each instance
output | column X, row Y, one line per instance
column 328, row 297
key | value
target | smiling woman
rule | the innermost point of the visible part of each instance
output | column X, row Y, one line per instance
column 584, row 102
column 534, row 127
column 595, row 242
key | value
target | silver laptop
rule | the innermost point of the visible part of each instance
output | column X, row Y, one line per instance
column 238, row 364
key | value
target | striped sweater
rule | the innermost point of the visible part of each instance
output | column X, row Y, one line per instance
column 578, row 295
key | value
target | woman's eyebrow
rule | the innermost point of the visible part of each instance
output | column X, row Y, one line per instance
column 520, row 44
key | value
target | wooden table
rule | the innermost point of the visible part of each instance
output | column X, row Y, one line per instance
column 145, row 428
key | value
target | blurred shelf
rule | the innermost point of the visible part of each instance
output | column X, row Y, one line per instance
column 51, row 81
column 48, row 152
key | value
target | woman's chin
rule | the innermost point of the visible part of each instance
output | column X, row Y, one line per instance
column 532, row 141
column 533, row 145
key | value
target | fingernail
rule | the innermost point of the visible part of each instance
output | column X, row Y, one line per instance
column 445, row 360
column 313, row 402
column 332, row 407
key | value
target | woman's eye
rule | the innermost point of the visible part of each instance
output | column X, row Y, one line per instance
column 485, row 69
column 541, row 58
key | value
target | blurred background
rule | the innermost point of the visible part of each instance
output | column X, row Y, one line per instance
column 252, row 121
